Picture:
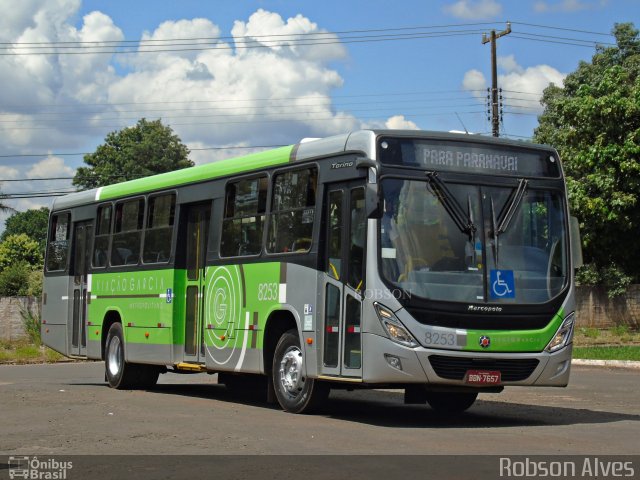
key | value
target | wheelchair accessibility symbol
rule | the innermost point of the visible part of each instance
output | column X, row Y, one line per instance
column 502, row 284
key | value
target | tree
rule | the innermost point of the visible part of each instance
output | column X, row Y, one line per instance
column 134, row 152
column 32, row 223
column 20, row 249
column 594, row 122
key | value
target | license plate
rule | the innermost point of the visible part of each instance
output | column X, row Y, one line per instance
column 483, row 377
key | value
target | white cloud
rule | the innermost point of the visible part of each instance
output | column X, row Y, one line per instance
column 522, row 86
column 567, row 6
column 398, row 122
column 50, row 167
column 8, row 173
column 474, row 10
column 474, row 81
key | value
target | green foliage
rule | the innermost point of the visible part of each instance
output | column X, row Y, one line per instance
column 594, row 122
column 612, row 277
column 134, row 152
column 34, row 288
column 590, row 332
column 620, row 330
column 32, row 321
column 32, row 223
column 14, row 280
column 16, row 249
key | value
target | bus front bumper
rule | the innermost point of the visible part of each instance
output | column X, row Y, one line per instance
column 389, row 362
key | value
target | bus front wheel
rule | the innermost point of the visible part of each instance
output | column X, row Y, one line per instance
column 295, row 392
column 447, row 402
column 123, row 375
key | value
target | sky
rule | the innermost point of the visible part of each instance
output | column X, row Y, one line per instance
column 231, row 76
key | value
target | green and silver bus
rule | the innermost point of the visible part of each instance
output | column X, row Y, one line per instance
column 437, row 263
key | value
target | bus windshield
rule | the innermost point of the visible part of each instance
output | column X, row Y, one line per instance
column 512, row 247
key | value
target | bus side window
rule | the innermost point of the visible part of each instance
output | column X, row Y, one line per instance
column 244, row 214
column 103, row 233
column 357, row 239
column 159, row 231
column 125, row 249
column 292, row 211
column 58, row 250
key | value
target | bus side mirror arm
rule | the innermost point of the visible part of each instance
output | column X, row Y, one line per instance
column 576, row 243
column 372, row 192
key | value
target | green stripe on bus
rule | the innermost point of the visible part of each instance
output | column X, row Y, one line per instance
column 230, row 166
column 515, row 340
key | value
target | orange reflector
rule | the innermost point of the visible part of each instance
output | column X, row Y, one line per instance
column 97, row 332
column 222, row 337
column 46, row 331
column 146, row 334
column 309, row 341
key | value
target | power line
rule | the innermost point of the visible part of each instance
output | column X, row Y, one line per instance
column 249, row 44
column 462, row 96
column 53, row 154
column 165, row 102
column 244, row 122
column 562, row 28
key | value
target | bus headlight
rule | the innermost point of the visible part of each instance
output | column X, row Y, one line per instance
column 394, row 328
column 564, row 335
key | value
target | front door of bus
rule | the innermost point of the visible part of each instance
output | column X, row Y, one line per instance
column 82, row 235
column 196, row 233
column 344, row 284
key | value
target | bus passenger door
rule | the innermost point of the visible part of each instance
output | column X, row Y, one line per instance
column 195, row 235
column 344, row 285
column 82, row 235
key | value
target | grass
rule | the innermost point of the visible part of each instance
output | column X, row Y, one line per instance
column 615, row 343
column 620, row 335
column 24, row 352
column 622, row 352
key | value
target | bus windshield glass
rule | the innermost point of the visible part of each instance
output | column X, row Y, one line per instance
column 511, row 246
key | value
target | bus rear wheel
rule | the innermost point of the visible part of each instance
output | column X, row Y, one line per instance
column 295, row 392
column 448, row 402
column 123, row 375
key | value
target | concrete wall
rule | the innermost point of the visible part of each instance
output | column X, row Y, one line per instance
column 594, row 309
column 11, row 322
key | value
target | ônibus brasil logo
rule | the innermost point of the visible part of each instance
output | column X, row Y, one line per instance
column 485, row 341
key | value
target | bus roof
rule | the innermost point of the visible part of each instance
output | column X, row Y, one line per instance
column 362, row 141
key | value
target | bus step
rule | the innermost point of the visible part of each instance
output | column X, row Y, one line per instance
column 191, row 367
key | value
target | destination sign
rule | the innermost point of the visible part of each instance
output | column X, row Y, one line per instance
column 466, row 157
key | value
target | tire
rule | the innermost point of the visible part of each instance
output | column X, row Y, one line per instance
column 120, row 374
column 295, row 393
column 446, row 402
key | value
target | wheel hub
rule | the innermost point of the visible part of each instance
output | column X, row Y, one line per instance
column 291, row 376
column 114, row 356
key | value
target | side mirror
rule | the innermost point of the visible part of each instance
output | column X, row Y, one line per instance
column 576, row 242
column 372, row 193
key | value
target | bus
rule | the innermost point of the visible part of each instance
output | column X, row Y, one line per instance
column 437, row 263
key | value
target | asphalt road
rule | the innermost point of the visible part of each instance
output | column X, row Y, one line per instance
column 68, row 409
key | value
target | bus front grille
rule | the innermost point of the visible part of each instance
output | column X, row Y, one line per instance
column 455, row 368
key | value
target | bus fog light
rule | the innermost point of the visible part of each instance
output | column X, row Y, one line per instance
column 563, row 336
column 393, row 361
column 394, row 328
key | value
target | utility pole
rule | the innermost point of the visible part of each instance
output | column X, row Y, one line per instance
column 495, row 119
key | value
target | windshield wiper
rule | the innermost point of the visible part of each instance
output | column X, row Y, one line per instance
column 463, row 221
column 500, row 225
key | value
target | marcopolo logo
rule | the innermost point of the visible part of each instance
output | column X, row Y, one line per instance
column 483, row 309
column 33, row 468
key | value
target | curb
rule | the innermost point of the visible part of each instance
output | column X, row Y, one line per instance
column 606, row 363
